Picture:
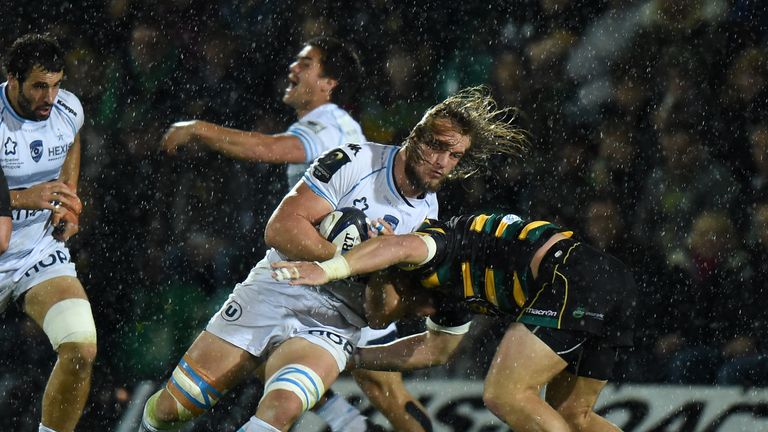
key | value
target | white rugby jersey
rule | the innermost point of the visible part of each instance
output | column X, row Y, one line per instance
column 320, row 130
column 362, row 176
column 33, row 152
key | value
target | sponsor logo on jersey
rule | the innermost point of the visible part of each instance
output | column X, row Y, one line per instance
column 36, row 150
column 313, row 125
column 355, row 148
column 510, row 219
column 231, row 311
column 57, row 152
column 393, row 221
column 580, row 312
column 66, row 107
column 326, row 166
column 9, row 147
column 361, row 203
column 549, row 313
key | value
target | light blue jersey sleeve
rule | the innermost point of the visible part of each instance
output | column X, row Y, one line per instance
column 325, row 128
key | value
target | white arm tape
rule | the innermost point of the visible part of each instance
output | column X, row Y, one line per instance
column 431, row 247
column 336, row 267
column 458, row 330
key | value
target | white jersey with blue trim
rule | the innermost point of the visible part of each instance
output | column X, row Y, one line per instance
column 320, row 130
column 362, row 176
column 33, row 152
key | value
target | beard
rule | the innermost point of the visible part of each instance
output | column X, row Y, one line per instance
column 412, row 161
column 25, row 106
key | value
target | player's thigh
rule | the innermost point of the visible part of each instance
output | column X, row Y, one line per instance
column 39, row 299
column 522, row 361
column 224, row 364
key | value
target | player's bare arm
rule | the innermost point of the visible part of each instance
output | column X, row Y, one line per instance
column 234, row 143
column 44, row 196
column 369, row 256
column 70, row 170
column 291, row 228
column 65, row 218
column 6, row 226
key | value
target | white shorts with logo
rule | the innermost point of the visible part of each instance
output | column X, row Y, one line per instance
column 52, row 261
column 261, row 313
column 373, row 337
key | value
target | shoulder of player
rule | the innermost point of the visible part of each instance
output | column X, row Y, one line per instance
column 69, row 104
column 322, row 118
column 370, row 154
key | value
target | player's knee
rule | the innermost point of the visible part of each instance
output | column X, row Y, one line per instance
column 162, row 413
column 499, row 401
column 70, row 321
column 299, row 386
column 192, row 391
column 576, row 415
column 78, row 356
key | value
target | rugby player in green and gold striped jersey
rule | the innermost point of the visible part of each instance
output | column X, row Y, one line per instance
column 572, row 308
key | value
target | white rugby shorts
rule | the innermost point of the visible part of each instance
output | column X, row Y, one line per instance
column 373, row 337
column 52, row 261
column 261, row 313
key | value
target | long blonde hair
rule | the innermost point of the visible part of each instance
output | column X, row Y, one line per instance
column 474, row 113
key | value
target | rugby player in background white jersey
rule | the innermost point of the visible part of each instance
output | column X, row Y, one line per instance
column 302, row 336
column 6, row 225
column 324, row 76
column 40, row 156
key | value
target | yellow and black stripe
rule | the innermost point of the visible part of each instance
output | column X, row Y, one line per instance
column 486, row 258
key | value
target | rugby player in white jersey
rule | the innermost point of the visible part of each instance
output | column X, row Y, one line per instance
column 301, row 336
column 39, row 134
column 324, row 76
column 6, row 224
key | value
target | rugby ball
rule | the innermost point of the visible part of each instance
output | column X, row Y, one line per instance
column 345, row 227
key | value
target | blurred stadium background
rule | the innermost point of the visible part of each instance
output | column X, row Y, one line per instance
column 650, row 138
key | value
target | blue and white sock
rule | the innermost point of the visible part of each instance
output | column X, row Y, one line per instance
column 256, row 424
column 341, row 416
column 42, row 428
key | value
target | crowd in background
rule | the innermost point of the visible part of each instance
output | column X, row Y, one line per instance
column 648, row 130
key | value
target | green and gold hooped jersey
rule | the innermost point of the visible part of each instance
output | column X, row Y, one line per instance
column 485, row 259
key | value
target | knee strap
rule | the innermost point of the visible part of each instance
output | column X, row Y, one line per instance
column 299, row 380
column 192, row 390
column 150, row 422
column 70, row 320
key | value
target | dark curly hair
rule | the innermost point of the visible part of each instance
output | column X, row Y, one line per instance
column 31, row 50
column 340, row 63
